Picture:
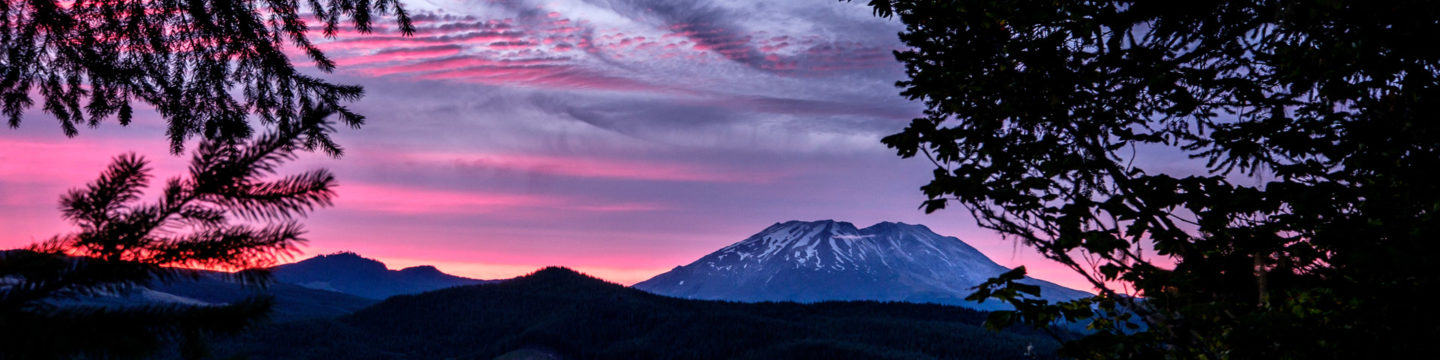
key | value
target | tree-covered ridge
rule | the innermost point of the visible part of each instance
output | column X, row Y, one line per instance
column 577, row 317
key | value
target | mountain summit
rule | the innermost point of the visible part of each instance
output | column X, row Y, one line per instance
column 350, row 273
column 833, row 260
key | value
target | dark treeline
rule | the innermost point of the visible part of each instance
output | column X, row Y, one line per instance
column 557, row 312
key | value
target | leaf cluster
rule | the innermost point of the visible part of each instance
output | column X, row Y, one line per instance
column 206, row 66
column 1305, row 229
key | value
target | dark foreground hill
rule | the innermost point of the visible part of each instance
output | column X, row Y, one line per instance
column 292, row 302
column 557, row 313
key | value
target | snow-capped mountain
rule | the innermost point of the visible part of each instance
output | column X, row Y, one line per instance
column 833, row 260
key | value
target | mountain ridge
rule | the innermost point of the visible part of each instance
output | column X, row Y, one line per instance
column 323, row 286
column 556, row 312
column 349, row 273
column 809, row 261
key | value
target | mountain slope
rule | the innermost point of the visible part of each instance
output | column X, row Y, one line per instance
column 320, row 287
column 832, row 260
column 557, row 313
column 291, row 302
column 350, row 273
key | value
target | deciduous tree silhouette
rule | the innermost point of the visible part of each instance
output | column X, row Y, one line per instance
column 1309, row 230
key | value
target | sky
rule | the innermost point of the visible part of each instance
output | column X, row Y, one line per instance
column 618, row 138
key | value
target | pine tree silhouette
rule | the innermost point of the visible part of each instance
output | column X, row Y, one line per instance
column 206, row 66
column 231, row 211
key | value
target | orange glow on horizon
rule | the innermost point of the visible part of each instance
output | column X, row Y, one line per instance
column 501, row 271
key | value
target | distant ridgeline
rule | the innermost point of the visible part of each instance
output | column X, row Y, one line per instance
column 343, row 306
column 349, row 273
column 833, row 260
column 556, row 313
column 320, row 287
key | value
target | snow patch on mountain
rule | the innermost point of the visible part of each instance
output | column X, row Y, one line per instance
column 833, row 260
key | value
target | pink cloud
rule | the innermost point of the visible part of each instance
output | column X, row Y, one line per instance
column 462, row 62
column 405, row 200
column 596, row 234
column 400, row 54
column 623, row 207
column 544, row 76
column 618, row 254
column 511, row 45
column 371, row 42
column 408, row 200
column 67, row 162
column 506, row 268
column 594, row 167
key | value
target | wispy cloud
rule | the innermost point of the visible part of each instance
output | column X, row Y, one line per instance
column 591, row 167
column 409, row 200
column 623, row 136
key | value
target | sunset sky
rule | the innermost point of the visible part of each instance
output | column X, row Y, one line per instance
column 619, row 138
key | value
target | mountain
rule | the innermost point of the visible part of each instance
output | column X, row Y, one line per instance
column 556, row 313
column 349, row 273
column 320, row 287
column 832, row 260
column 291, row 302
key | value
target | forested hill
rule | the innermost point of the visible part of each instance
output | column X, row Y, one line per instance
column 558, row 313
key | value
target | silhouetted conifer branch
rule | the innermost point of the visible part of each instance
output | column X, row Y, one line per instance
column 122, row 243
column 206, row 66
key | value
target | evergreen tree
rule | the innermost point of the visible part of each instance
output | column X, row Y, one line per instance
column 207, row 66
column 1307, row 233
column 227, row 214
